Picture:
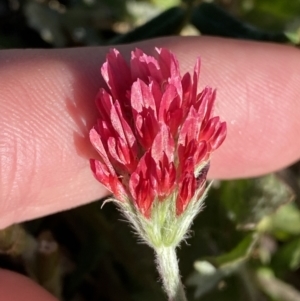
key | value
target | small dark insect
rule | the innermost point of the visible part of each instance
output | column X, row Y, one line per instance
column 201, row 177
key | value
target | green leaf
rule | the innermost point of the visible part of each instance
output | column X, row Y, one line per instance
column 212, row 270
column 248, row 201
column 46, row 21
column 293, row 36
column 169, row 22
column 287, row 257
column 239, row 254
column 276, row 288
column 271, row 14
column 285, row 222
column 165, row 3
column 210, row 19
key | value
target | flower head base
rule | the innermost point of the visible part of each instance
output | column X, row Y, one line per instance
column 155, row 136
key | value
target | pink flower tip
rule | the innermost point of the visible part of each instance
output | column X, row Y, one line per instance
column 154, row 132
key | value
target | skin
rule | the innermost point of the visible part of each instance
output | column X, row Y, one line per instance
column 47, row 108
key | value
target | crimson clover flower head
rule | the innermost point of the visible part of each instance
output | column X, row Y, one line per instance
column 155, row 133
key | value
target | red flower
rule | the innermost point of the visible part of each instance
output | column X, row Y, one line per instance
column 155, row 133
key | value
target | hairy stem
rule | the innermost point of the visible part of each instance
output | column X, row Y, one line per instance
column 167, row 265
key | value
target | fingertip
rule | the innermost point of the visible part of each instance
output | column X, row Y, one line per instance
column 16, row 287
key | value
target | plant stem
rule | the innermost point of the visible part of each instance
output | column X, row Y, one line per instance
column 167, row 265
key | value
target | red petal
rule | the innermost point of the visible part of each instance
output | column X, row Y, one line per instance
column 110, row 181
column 190, row 128
column 119, row 151
column 187, row 190
column 170, row 100
column 98, row 145
column 219, row 136
column 117, row 75
column 104, row 103
column 195, row 79
column 142, row 97
column 166, row 177
column 186, row 83
column 140, row 184
column 205, row 101
column 157, row 94
column 163, row 143
column 210, row 129
column 144, row 67
column 162, row 152
column 122, row 127
column 142, row 193
column 168, row 63
column 147, row 128
column 144, row 113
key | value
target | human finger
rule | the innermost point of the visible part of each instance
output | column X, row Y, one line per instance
column 47, row 108
column 15, row 287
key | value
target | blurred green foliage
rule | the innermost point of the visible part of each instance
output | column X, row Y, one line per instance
column 69, row 23
column 245, row 245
